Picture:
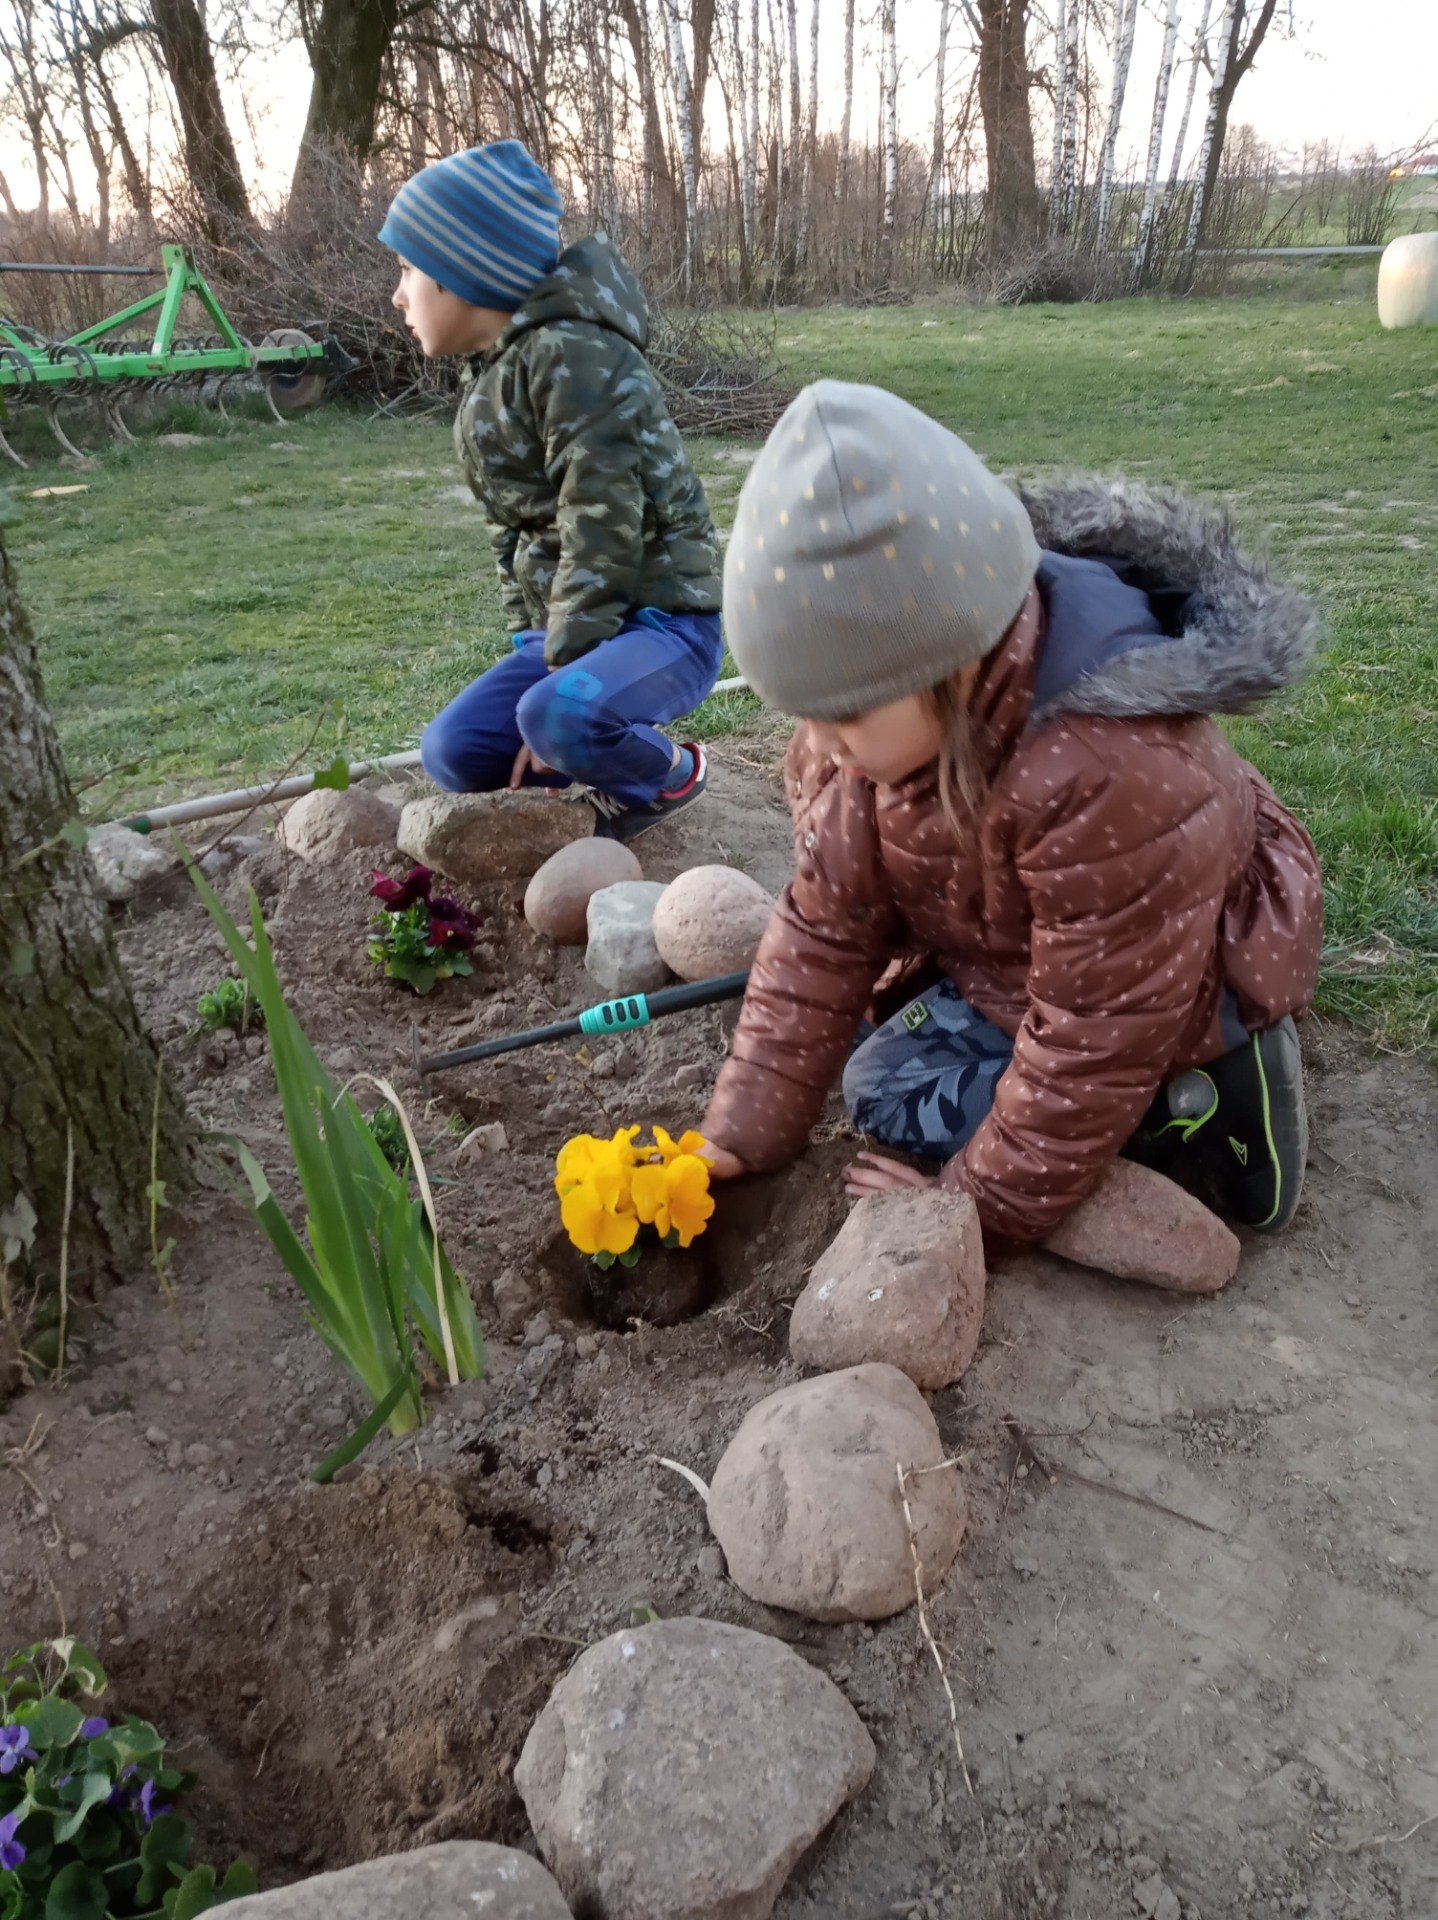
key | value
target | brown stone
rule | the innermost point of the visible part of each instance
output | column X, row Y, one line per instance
column 710, row 921
column 1140, row 1226
column 455, row 1880
column 903, row 1282
column 474, row 838
column 323, row 824
column 556, row 902
column 805, row 1502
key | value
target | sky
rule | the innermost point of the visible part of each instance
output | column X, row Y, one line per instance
column 1360, row 74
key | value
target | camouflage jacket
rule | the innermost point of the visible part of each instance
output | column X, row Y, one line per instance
column 566, row 440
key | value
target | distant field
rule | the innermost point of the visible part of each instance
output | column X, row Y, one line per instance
column 199, row 607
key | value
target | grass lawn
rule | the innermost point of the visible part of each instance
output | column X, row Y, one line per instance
column 200, row 608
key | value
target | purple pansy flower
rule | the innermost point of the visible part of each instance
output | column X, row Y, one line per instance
column 147, row 1804
column 450, row 924
column 14, row 1747
column 92, row 1729
column 11, row 1851
column 396, row 895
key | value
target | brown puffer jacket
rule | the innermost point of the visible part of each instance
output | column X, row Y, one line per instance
column 1129, row 865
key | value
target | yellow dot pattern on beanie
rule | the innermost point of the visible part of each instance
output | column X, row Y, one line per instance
column 851, row 504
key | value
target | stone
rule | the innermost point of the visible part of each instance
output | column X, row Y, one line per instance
column 489, row 1138
column 179, row 439
column 1140, row 1226
column 456, row 1880
column 710, row 921
column 475, row 838
column 805, row 1502
column 639, row 1774
column 902, row 1282
column 323, row 824
column 556, row 901
column 1408, row 281
column 690, row 1078
column 125, row 860
column 621, row 954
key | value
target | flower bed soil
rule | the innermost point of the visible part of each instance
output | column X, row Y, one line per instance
column 1191, row 1632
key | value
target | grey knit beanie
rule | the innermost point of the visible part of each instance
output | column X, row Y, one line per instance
column 873, row 556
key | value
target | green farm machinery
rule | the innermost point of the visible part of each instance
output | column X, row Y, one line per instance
column 101, row 365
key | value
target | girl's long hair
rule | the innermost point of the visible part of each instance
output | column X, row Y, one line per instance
column 964, row 757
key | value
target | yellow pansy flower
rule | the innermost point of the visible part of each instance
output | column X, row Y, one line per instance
column 688, row 1142
column 584, row 1154
column 596, row 1210
column 674, row 1197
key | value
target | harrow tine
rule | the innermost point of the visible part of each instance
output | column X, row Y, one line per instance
column 6, row 448
column 52, row 414
column 117, row 419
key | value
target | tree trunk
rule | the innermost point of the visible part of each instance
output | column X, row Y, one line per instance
column 1155, row 143
column 1014, row 208
column 1068, row 168
column 846, row 124
column 348, row 41
column 1212, row 130
column 75, row 1065
column 752, row 164
column 1236, row 60
column 658, row 180
column 1060, row 108
column 1164, row 216
column 1122, row 57
column 891, row 144
column 811, row 143
column 936, row 159
column 684, row 114
column 210, row 157
column 701, row 21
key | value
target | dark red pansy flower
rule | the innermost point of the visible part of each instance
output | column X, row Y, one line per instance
column 399, row 894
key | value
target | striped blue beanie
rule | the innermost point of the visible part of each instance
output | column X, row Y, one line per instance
column 484, row 224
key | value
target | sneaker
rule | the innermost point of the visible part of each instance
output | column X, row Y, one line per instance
column 1236, row 1129
column 619, row 820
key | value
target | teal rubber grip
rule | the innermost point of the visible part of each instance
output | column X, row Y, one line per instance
column 615, row 1015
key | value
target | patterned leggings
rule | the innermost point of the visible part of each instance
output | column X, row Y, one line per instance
column 924, row 1081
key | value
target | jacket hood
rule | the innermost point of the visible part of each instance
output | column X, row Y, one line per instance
column 592, row 282
column 1218, row 632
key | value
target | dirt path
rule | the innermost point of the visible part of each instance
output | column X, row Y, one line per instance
column 1193, row 1633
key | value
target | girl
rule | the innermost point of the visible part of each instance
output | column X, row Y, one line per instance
column 1009, row 802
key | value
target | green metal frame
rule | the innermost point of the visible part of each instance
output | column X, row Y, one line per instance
column 26, row 365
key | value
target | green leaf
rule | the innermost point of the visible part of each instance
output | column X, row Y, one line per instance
column 604, row 1260
column 51, row 1722
column 75, row 832
column 22, row 960
column 77, row 1893
column 17, row 1235
column 81, row 1666
column 157, row 1193
column 630, row 1257
column 336, row 776
column 94, row 1789
column 163, row 1852
column 352, row 1448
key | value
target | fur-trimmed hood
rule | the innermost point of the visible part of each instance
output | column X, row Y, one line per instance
column 1220, row 633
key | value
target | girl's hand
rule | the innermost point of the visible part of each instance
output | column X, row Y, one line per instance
column 526, row 761
column 723, row 1165
column 882, row 1175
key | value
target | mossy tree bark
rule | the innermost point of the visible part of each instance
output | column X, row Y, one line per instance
column 76, row 1067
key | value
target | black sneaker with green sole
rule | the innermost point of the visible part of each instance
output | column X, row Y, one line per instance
column 1235, row 1130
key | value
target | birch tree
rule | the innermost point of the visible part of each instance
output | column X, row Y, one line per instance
column 936, row 159
column 1060, row 78
column 809, row 184
column 1155, row 141
column 891, row 140
column 684, row 115
column 1068, row 139
column 1210, row 125
column 1200, row 48
column 847, row 122
column 1125, row 23
column 1236, row 55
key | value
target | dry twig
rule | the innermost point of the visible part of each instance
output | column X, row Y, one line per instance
column 924, row 1628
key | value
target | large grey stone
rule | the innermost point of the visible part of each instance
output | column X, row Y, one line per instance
column 679, row 1770
column 556, row 902
column 621, row 954
column 457, row 1880
column 903, row 1282
column 125, row 860
column 710, row 921
column 323, row 824
column 805, row 1502
column 475, row 838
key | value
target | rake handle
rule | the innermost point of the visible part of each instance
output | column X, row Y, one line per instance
column 610, row 1016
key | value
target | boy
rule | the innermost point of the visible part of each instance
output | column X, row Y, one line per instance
column 608, row 558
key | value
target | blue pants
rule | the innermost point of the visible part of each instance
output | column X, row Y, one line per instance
column 594, row 722
column 924, row 1081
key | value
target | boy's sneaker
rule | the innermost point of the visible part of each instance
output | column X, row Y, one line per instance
column 620, row 821
column 1236, row 1129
